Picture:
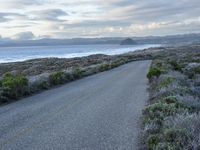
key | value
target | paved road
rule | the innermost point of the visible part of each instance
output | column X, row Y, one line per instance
column 99, row 112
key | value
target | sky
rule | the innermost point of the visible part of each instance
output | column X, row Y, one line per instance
column 34, row 19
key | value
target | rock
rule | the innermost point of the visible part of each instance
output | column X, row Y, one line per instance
column 128, row 41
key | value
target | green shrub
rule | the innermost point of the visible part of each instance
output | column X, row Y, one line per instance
column 161, row 65
column 4, row 94
column 104, row 67
column 161, row 110
column 172, row 139
column 91, row 71
column 176, row 66
column 166, row 146
column 158, row 64
column 57, row 78
column 152, row 141
column 153, row 72
column 178, row 104
column 177, row 136
column 170, row 100
column 166, row 82
column 114, row 65
column 16, row 86
column 39, row 85
column 117, row 63
column 161, row 117
column 191, row 74
column 77, row 73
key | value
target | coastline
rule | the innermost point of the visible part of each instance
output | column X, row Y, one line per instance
column 41, row 65
column 33, row 76
column 21, row 79
column 19, row 54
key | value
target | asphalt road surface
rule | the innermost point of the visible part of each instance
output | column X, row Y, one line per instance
column 99, row 112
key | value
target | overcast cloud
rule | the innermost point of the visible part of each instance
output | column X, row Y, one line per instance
column 97, row 18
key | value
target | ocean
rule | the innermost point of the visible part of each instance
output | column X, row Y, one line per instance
column 16, row 54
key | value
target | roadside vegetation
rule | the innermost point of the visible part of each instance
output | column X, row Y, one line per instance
column 15, row 86
column 171, row 121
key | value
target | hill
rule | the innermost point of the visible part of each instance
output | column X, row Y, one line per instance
column 128, row 41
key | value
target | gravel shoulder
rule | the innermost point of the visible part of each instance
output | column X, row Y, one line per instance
column 98, row 112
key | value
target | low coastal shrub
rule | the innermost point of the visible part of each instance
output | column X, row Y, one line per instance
column 190, row 123
column 153, row 72
column 153, row 141
column 166, row 82
column 165, row 146
column 176, row 65
column 171, row 120
column 193, row 72
column 39, row 86
column 104, row 67
column 77, row 73
column 4, row 94
column 14, row 86
column 161, row 110
column 117, row 63
column 57, row 78
column 178, row 137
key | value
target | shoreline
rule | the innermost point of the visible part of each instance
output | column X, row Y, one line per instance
column 19, row 54
column 22, row 79
column 41, row 65
column 29, row 77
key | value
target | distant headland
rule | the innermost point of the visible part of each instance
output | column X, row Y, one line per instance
column 128, row 41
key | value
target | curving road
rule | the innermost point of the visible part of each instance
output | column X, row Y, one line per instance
column 100, row 112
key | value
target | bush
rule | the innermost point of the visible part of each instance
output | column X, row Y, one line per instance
column 166, row 146
column 177, row 136
column 57, row 78
column 104, row 67
column 196, row 70
column 175, row 115
column 190, row 123
column 161, row 110
column 16, row 86
column 192, row 70
column 117, row 63
column 170, row 99
column 153, row 72
column 153, row 127
column 39, row 85
column 152, row 141
column 77, row 73
column 176, row 66
column 171, row 139
column 4, row 94
column 166, row 82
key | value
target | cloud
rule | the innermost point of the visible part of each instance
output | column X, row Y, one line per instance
column 99, row 18
column 23, row 36
column 5, row 17
column 18, row 4
column 48, row 14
